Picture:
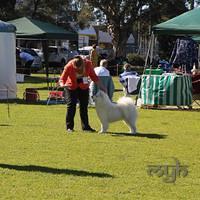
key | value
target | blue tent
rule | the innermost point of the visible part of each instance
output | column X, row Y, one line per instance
column 6, row 27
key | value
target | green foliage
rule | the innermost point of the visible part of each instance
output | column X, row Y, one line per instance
column 135, row 59
column 39, row 160
column 59, row 11
column 7, row 9
column 85, row 16
column 121, row 15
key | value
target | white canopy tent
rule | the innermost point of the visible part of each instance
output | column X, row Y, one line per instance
column 8, row 85
column 85, row 35
column 105, row 37
column 90, row 31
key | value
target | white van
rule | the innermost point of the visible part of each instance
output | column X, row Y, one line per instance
column 58, row 56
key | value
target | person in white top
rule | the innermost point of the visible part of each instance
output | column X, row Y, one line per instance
column 105, row 78
column 101, row 70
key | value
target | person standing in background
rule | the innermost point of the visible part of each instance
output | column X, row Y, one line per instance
column 94, row 55
column 27, row 59
column 104, row 76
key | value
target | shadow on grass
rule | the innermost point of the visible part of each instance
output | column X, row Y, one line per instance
column 40, row 102
column 118, row 90
column 34, row 79
column 5, row 125
column 50, row 170
column 43, row 88
column 147, row 135
column 173, row 108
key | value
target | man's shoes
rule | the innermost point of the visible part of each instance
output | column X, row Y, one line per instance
column 70, row 130
column 89, row 129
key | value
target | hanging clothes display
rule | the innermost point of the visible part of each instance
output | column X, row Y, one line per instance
column 185, row 53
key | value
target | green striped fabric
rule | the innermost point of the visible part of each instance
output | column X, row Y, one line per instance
column 166, row 90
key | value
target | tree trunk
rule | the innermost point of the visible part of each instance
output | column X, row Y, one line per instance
column 192, row 4
column 120, row 36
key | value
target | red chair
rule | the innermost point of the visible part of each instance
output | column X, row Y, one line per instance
column 55, row 95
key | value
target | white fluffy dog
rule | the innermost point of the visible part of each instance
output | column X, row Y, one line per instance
column 108, row 111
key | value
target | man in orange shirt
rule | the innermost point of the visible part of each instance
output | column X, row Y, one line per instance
column 75, row 80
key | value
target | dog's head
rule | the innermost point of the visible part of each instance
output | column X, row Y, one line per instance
column 100, row 97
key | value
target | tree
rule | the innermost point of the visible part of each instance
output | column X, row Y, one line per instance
column 192, row 4
column 85, row 16
column 7, row 9
column 53, row 11
column 121, row 15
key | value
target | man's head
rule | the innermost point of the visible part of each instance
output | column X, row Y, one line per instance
column 94, row 46
column 104, row 63
column 127, row 67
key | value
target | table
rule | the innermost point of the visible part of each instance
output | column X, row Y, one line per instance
column 166, row 89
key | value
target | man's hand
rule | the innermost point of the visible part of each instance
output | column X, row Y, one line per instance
column 61, row 83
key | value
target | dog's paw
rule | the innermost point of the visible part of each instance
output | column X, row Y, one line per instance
column 133, row 132
column 101, row 132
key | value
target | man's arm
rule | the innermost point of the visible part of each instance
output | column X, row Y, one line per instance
column 63, row 77
column 101, row 86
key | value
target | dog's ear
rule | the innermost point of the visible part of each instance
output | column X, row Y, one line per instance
column 98, row 93
column 102, row 93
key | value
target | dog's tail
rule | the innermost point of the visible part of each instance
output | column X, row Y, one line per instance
column 126, row 101
column 127, row 106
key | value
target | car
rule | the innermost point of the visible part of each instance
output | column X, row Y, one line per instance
column 58, row 56
column 85, row 51
column 40, row 53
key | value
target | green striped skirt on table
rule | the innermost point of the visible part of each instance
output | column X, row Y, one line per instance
column 166, row 90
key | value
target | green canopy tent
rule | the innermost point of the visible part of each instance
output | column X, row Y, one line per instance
column 196, row 38
column 34, row 29
column 187, row 23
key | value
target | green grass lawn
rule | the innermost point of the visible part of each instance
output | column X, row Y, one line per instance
column 39, row 160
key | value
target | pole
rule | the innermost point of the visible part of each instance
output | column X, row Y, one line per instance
column 148, row 51
column 152, row 48
column 45, row 51
column 8, row 105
